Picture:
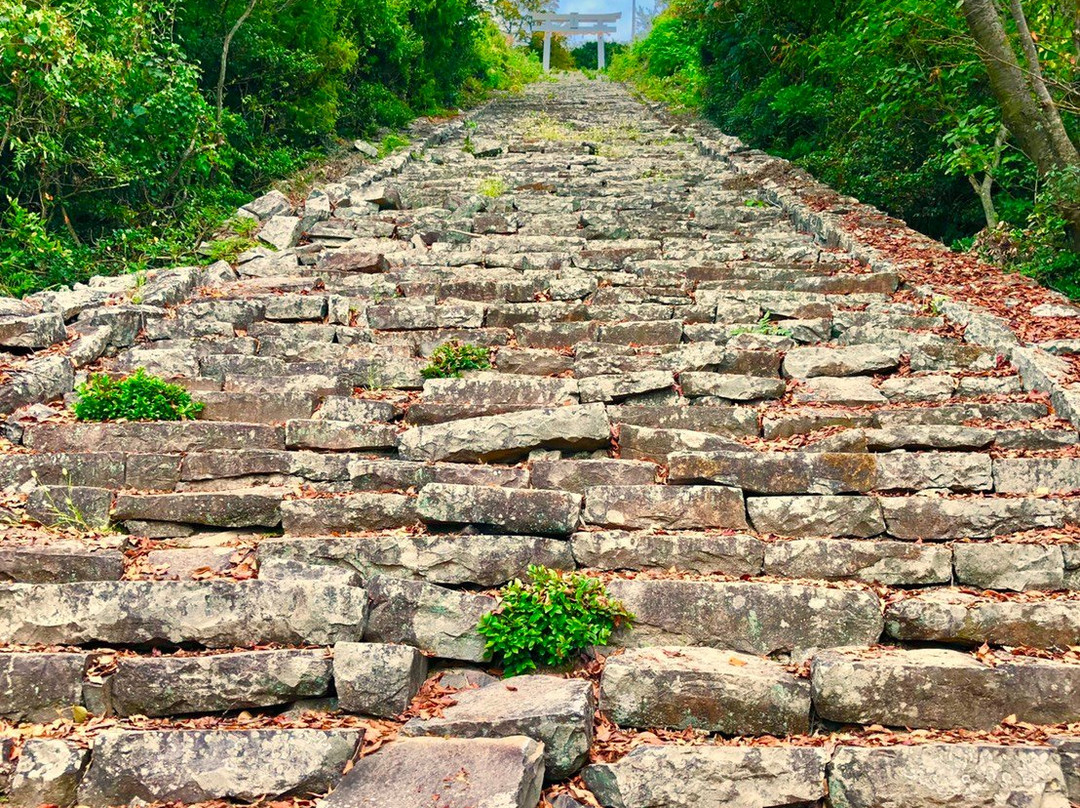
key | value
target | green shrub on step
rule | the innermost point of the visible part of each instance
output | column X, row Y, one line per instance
column 548, row 621
column 451, row 359
column 138, row 397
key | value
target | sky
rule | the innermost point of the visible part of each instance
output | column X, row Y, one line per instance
column 602, row 7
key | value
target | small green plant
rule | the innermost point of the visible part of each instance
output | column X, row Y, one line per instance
column 138, row 397
column 392, row 143
column 451, row 359
column 492, row 187
column 756, row 203
column 764, row 326
column 547, row 621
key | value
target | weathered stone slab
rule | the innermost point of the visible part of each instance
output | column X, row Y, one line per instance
column 509, row 436
column 757, row 618
column 354, row 512
column 377, row 679
column 59, row 564
column 956, row 617
column 481, row 560
column 578, row 476
column 234, row 508
column 158, row 686
column 668, row 507
column 151, row 436
column 965, row 775
column 851, row 360
column 47, row 773
column 554, row 711
column 40, row 687
column 211, row 613
column 442, row 621
column 615, row 387
column 730, row 421
column 1028, row 475
column 694, row 552
column 896, row 563
column 646, row 443
column 1010, row 566
column 733, row 776
column 513, row 510
column 339, row 436
column 705, row 688
column 933, row 687
column 489, row 394
column 777, row 472
column 731, row 386
column 500, row 773
column 816, row 516
column 935, row 518
column 189, row 766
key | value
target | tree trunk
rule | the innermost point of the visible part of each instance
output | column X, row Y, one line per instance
column 1027, row 109
column 225, row 58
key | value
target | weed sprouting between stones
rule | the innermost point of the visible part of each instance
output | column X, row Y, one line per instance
column 452, row 359
column 549, row 620
column 138, row 397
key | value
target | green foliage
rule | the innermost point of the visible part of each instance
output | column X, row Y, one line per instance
column 587, row 55
column 548, row 621
column 886, row 101
column 492, row 187
column 138, row 397
column 452, row 359
column 764, row 326
column 113, row 156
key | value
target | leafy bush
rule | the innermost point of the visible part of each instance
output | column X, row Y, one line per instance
column 451, row 359
column 547, row 621
column 138, row 397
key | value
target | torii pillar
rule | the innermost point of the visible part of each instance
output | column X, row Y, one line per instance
column 601, row 63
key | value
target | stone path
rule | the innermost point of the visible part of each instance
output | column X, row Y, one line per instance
column 848, row 533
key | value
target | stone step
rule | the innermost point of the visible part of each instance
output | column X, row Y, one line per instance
column 705, row 688
column 190, row 766
column 916, row 776
column 747, row 616
column 214, row 614
column 941, row 689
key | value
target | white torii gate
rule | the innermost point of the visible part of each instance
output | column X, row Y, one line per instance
column 577, row 25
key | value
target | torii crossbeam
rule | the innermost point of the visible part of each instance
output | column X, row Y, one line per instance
column 577, row 25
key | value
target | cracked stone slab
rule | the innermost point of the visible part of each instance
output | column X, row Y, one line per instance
column 939, row 688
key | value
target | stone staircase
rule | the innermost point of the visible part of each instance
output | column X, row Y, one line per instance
column 849, row 534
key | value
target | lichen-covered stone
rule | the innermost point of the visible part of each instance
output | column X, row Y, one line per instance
column 40, row 687
column 511, row 510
